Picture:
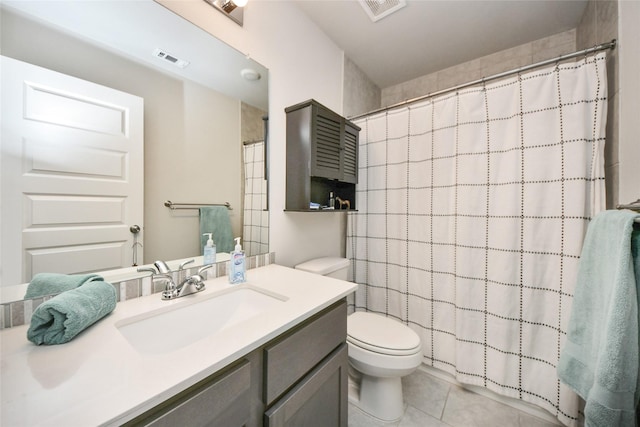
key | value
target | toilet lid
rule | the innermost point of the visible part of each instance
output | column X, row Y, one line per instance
column 381, row 334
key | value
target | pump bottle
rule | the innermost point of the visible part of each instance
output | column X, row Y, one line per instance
column 209, row 251
column 237, row 265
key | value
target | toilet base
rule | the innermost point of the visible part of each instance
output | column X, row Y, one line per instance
column 377, row 396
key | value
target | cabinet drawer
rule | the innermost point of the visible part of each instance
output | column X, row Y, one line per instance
column 220, row 400
column 319, row 400
column 290, row 358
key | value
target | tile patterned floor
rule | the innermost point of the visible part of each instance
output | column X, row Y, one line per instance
column 432, row 402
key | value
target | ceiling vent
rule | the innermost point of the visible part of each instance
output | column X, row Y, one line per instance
column 180, row 63
column 378, row 9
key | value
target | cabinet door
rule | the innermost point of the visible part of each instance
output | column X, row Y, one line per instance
column 221, row 400
column 327, row 146
column 349, row 154
column 290, row 358
column 318, row 400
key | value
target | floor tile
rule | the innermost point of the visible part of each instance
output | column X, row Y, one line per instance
column 425, row 392
column 357, row 418
column 467, row 409
column 432, row 402
column 416, row 418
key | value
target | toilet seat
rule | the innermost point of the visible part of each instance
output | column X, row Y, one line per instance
column 381, row 334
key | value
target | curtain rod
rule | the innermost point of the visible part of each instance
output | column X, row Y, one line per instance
column 604, row 46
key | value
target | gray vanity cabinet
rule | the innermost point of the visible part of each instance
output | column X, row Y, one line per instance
column 222, row 399
column 297, row 379
column 322, row 156
column 306, row 373
column 319, row 400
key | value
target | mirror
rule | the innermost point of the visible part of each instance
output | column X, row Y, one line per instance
column 192, row 154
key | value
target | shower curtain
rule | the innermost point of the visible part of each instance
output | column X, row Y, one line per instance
column 472, row 210
column 255, row 230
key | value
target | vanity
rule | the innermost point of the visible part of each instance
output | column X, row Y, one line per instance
column 270, row 352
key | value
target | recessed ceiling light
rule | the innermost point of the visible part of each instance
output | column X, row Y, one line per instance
column 250, row 74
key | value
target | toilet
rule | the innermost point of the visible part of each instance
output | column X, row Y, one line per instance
column 381, row 351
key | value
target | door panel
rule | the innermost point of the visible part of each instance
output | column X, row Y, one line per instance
column 72, row 173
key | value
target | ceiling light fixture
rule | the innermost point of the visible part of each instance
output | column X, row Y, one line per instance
column 250, row 74
column 230, row 8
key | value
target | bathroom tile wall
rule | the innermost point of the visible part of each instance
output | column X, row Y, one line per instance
column 509, row 59
column 600, row 24
column 19, row 312
column 361, row 95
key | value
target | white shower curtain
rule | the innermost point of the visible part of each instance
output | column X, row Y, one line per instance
column 255, row 229
column 472, row 210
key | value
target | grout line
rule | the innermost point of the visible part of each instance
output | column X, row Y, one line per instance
column 446, row 400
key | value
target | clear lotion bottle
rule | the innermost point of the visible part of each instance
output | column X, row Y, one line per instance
column 237, row 265
column 209, row 252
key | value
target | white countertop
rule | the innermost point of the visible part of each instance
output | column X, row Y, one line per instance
column 98, row 378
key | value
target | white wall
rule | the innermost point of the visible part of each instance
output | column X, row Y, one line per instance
column 303, row 63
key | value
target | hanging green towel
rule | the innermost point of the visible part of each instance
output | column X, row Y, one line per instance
column 64, row 316
column 600, row 357
column 215, row 219
column 53, row 283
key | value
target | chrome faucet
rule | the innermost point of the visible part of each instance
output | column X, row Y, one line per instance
column 193, row 283
column 161, row 272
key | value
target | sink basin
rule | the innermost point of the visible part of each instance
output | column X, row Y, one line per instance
column 171, row 328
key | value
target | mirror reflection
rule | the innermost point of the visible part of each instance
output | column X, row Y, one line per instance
column 202, row 138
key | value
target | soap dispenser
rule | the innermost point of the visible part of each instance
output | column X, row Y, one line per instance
column 209, row 251
column 237, row 265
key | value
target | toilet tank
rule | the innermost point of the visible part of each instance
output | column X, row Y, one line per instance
column 335, row 267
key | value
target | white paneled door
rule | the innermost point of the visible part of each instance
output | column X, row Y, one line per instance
column 71, row 174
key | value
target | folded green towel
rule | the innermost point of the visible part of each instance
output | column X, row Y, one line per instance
column 61, row 318
column 54, row 283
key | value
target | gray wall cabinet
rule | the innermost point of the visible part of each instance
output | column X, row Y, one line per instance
column 322, row 156
column 297, row 379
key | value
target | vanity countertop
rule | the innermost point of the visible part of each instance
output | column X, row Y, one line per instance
column 98, row 378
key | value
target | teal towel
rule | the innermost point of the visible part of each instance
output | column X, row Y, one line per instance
column 60, row 319
column 53, row 283
column 600, row 357
column 215, row 219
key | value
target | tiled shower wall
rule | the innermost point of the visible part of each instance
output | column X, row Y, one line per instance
column 509, row 59
column 19, row 312
column 599, row 24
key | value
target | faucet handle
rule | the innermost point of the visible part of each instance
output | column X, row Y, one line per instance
column 149, row 269
column 206, row 267
column 181, row 266
column 162, row 267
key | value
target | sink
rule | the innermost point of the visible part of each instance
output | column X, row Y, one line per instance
column 183, row 323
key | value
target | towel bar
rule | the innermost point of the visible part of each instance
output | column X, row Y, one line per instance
column 634, row 206
column 174, row 206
